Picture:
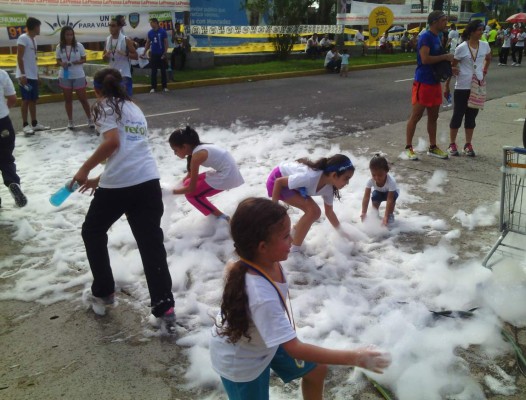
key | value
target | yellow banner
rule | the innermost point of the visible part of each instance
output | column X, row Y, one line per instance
column 380, row 19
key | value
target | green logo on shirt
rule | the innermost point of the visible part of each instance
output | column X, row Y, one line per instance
column 135, row 130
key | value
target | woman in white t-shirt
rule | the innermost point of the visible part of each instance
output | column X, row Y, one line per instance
column 129, row 185
column 472, row 58
column 296, row 182
column 197, row 187
column 254, row 330
column 70, row 56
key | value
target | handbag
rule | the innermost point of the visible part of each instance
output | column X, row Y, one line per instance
column 442, row 70
column 477, row 95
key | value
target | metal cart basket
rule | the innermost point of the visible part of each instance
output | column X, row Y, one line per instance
column 512, row 203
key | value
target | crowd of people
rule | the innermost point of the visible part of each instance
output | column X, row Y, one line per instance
column 254, row 301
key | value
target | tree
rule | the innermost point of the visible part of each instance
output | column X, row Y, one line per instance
column 290, row 13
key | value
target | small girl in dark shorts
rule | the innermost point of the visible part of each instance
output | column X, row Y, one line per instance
column 383, row 187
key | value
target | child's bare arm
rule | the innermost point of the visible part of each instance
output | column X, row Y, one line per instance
column 367, row 358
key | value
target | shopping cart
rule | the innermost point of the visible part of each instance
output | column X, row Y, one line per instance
column 512, row 204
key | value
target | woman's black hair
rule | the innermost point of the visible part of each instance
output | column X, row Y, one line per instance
column 254, row 221
column 188, row 136
column 63, row 37
column 109, row 82
column 471, row 27
column 337, row 163
column 379, row 162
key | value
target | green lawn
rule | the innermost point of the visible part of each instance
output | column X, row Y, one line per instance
column 272, row 67
column 262, row 68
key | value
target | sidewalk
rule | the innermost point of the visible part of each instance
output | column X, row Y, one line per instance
column 65, row 350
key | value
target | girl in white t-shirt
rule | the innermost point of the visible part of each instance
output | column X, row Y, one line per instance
column 129, row 185
column 70, row 56
column 254, row 330
column 383, row 188
column 472, row 58
column 296, row 182
column 224, row 173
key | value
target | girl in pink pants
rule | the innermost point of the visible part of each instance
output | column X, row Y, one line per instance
column 197, row 187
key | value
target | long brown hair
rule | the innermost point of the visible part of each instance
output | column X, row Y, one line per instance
column 63, row 37
column 109, row 82
column 254, row 221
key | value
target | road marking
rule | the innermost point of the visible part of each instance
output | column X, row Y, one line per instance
column 147, row 116
column 404, row 80
column 172, row 112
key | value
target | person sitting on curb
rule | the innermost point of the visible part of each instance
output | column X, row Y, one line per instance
column 325, row 43
column 313, row 48
column 333, row 60
column 385, row 45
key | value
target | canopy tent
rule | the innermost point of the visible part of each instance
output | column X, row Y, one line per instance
column 520, row 17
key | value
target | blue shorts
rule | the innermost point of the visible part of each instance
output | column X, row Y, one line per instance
column 378, row 197
column 282, row 364
column 128, row 85
column 31, row 94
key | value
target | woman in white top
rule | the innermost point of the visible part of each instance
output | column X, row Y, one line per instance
column 198, row 187
column 128, row 185
column 472, row 58
column 70, row 56
column 295, row 183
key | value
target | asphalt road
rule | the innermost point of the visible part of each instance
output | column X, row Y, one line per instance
column 365, row 100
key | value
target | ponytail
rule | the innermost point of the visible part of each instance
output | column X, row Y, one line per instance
column 188, row 136
column 109, row 82
column 337, row 163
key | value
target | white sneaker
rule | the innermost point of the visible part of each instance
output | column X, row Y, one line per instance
column 513, row 64
column 71, row 125
column 517, row 65
column 165, row 90
column 152, row 90
column 91, row 124
column 28, row 130
column 40, row 127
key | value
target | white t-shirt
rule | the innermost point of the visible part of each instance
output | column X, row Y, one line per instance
column 521, row 37
column 465, row 64
column 454, row 38
column 389, row 186
column 345, row 59
column 328, row 57
column 118, row 51
column 30, row 57
column 269, row 327
column 6, row 89
column 71, row 55
column 359, row 37
column 225, row 173
column 132, row 163
column 301, row 175
column 506, row 38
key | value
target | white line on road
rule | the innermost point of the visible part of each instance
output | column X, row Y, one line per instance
column 404, row 80
column 147, row 116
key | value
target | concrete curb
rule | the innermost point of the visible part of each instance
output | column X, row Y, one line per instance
column 142, row 88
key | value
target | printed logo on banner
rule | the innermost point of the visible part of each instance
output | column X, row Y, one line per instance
column 133, row 19
column 57, row 26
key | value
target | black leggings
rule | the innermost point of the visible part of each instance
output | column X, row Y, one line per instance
column 462, row 110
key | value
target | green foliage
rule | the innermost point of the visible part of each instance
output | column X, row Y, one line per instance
column 282, row 13
column 478, row 6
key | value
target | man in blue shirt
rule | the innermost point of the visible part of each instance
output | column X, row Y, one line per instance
column 427, row 91
column 157, row 42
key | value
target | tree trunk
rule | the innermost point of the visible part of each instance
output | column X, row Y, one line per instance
column 438, row 5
